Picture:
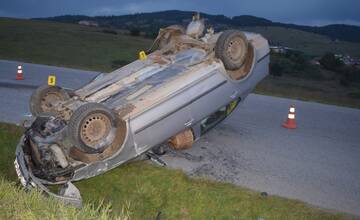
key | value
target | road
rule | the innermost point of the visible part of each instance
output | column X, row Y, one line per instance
column 14, row 95
column 35, row 74
column 317, row 163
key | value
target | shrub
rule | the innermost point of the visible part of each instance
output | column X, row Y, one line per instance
column 135, row 32
column 330, row 62
column 295, row 64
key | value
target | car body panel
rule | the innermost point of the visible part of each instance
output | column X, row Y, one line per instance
column 156, row 98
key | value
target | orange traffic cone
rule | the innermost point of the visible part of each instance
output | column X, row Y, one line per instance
column 19, row 74
column 290, row 123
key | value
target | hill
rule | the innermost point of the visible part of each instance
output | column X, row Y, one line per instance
column 100, row 49
column 150, row 22
column 310, row 43
column 67, row 45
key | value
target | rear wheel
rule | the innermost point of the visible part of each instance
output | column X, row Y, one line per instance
column 92, row 128
column 231, row 48
column 45, row 98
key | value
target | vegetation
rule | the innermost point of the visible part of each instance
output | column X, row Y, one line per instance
column 15, row 203
column 142, row 191
column 97, row 49
column 150, row 22
column 330, row 62
column 66, row 44
column 293, row 75
column 296, row 64
column 347, row 75
column 310, row 44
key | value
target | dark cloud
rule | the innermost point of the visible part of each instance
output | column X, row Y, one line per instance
column 315, row 12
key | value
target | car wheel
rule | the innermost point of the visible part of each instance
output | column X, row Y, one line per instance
column 231, row 48
column 92, row 128
column 44, row 98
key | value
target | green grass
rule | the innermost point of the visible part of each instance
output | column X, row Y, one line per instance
column 310, row 43
column 89, row 48
column 325, row 91
column 15, row 203
column 66, row 45
column 142, row 190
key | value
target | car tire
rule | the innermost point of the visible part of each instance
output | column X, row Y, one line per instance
column 44, row 97
column 92, row 128
column 231, row 48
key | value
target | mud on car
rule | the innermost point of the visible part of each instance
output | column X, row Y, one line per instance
column 191, row 80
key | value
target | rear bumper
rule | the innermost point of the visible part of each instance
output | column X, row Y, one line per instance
column 29, row 181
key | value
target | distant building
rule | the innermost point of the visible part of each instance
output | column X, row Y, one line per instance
column 89, row 23
column 280, row 49
column 348, row 60
column 315, row 61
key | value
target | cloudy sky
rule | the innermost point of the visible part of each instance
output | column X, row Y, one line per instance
column 310, row 12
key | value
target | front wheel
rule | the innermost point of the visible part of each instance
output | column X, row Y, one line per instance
column 92, row 128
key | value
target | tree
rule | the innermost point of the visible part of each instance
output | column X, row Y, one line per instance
column 330, row 62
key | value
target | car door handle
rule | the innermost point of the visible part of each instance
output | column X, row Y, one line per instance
column 189, row 123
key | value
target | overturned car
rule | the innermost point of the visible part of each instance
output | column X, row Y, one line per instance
column 176, row 93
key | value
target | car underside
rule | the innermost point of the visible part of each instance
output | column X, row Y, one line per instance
column 188, row 83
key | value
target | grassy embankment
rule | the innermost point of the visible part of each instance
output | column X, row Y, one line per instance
column 311, row 83
column 90, row 48
column 66, row 45
column 141, row 190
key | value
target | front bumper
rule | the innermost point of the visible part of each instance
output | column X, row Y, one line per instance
column 69, row 194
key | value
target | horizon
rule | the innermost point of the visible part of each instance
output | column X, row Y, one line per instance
column 230, row 17
column 306, row 12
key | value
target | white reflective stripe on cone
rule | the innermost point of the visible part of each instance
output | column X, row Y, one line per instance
column 291, row 116
column 19, row 67
column 19, row 71
column 292, row 109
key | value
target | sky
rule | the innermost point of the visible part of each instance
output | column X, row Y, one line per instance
column 308, row 12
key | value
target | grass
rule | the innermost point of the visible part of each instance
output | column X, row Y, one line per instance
column 310, row 43
column 15, row 203
column 66, row 45
column 145, row 190
column 325, row 91
column 90, row 48
column 294, row 76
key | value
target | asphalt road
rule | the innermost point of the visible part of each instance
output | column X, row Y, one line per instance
column 35, row 75
column 14, row 94
column 318, row 163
